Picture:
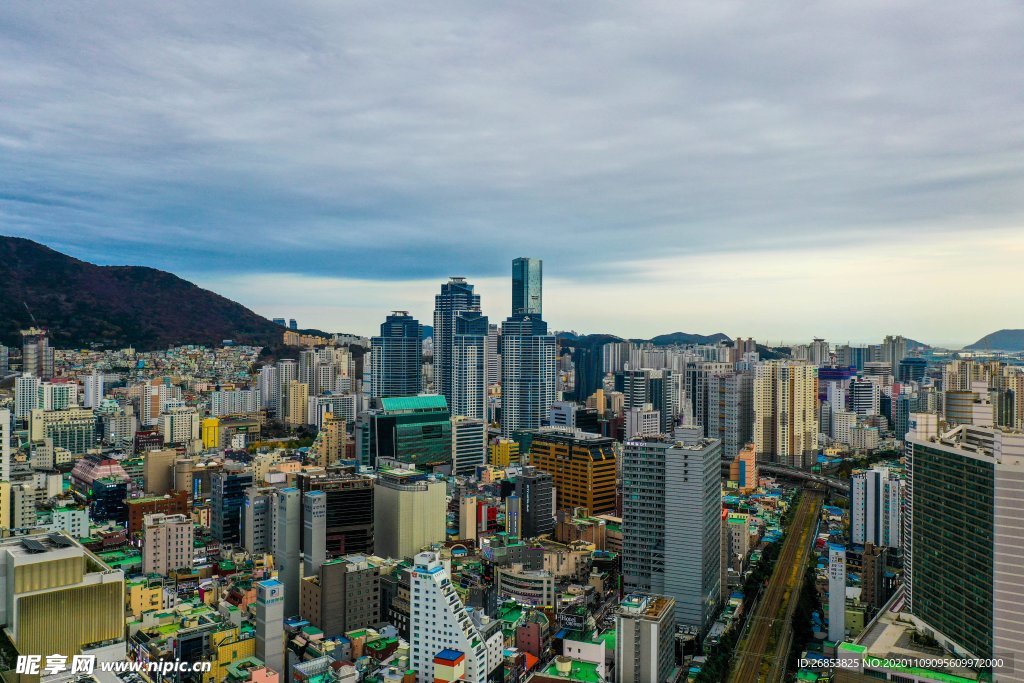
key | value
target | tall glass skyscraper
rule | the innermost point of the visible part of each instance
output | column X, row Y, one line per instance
column 456, row 296
column 527, row 284
column 470, row 352
column 397, row 357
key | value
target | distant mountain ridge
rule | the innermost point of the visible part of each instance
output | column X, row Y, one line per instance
column 83, row 304
column 1003, row 340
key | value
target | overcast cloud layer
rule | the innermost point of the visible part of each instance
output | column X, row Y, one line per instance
column 781, row 169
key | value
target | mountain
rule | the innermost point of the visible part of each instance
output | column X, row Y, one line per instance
column 687, row 338
column 1003, row 340
column 114, row 306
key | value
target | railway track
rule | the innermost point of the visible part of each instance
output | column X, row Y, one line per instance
column 761, row 654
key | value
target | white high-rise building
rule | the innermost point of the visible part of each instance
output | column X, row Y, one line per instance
column 439, row 620
column 180, row 425
column 409, row 512
column 270, row 387
column 314, row 531
column 469, row 444
column 287, row 556
column 876, row 496
column 234, row 402
column 866, row 397
column 5, row 445
column 642, row 421
column 836, row 593
column 94, row 389
column 167, row 543
column 26, row 395
column 270, row 603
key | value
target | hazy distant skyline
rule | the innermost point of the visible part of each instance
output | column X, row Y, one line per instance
column 782, row 170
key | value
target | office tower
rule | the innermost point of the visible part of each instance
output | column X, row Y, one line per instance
column 730, row 411
column 280, row 321
column 258, row 520
column 645, row 629
column 965, row 520
column 645, row 386
column 456, row 296
column 314, row 531
column 167, row 543
column 786, row 412
column 158, row 471
column 529, row 374
column 344, row 595
column 412, row 430
column 440, row 621
column 350, row 508
column 641, row 421
column 36, row 353
column 287, row 553
column 534, row 505
column 73, row 428
column 581, row 465
column 527, row 286
column 469, row 365
column 5, row 444
column 292, row 325
column 504, row 452
column 409, row 512
column 912, row 369
column 228, row 492
column 397, row 357
column 468, row 521
column 287, row 372
column 469, row 444
column 589, row 372
column 298, row 403
column 875, row 500
column 743, row 469
column 894, row 349
column 836, row 593
column 671, row 523
column 64, row 601
column 493, row 354
column 270, row 606
column 865, row 397
column 93, row 389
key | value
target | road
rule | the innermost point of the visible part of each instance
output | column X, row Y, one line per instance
column 761, row 653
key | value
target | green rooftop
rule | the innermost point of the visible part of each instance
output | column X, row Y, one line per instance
column 585, row 672
column 414, row 403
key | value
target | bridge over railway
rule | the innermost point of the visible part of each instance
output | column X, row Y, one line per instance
column 804, row 475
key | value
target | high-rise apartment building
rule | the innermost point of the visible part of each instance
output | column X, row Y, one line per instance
column 964, row 525
column 167, row 543
column 287, row 372
column 786, row 412
column 582, row 467
column 646, row 386
column 397, row 357
column 235, row 402
column 456, row 296
column 36, row 353
column 645, row 630
column 894, row 350
column 94, row 389
column 469, row 358
column 529, row 376
column 298, row 403
column 698, row 385
column 527, row 287
column 671, row 523
column 875, row 508
column 409, row 512
column 730, row 410
column 5, row 446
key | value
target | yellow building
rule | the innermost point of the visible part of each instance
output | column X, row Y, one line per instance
column 504, row 452
column 332, row 440
column 582, row 467
column 211, row 433
column 229, row 646
column 144, row 595
column 786, row 412
column 298, row 403
column 5, row 505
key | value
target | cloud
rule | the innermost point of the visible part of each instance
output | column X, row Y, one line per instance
column 406, row 141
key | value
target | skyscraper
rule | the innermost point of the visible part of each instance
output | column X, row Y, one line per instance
column 397, row 358
column 314, row 531
column 582, row 467
column 470, row 361
column 456, row 296
column 965, row 521
column 270, row 603
column 786, row 412
column 527, row 286
column 730, row 410
column 287, row 554
column 5, row 445
column 671, row 523
column 875, row 508
column 228, row 489
column 529, row 357
column 36, row 353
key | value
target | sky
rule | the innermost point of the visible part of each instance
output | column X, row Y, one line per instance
column 782, row 170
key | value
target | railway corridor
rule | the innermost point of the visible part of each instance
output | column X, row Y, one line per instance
column 761, row 653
